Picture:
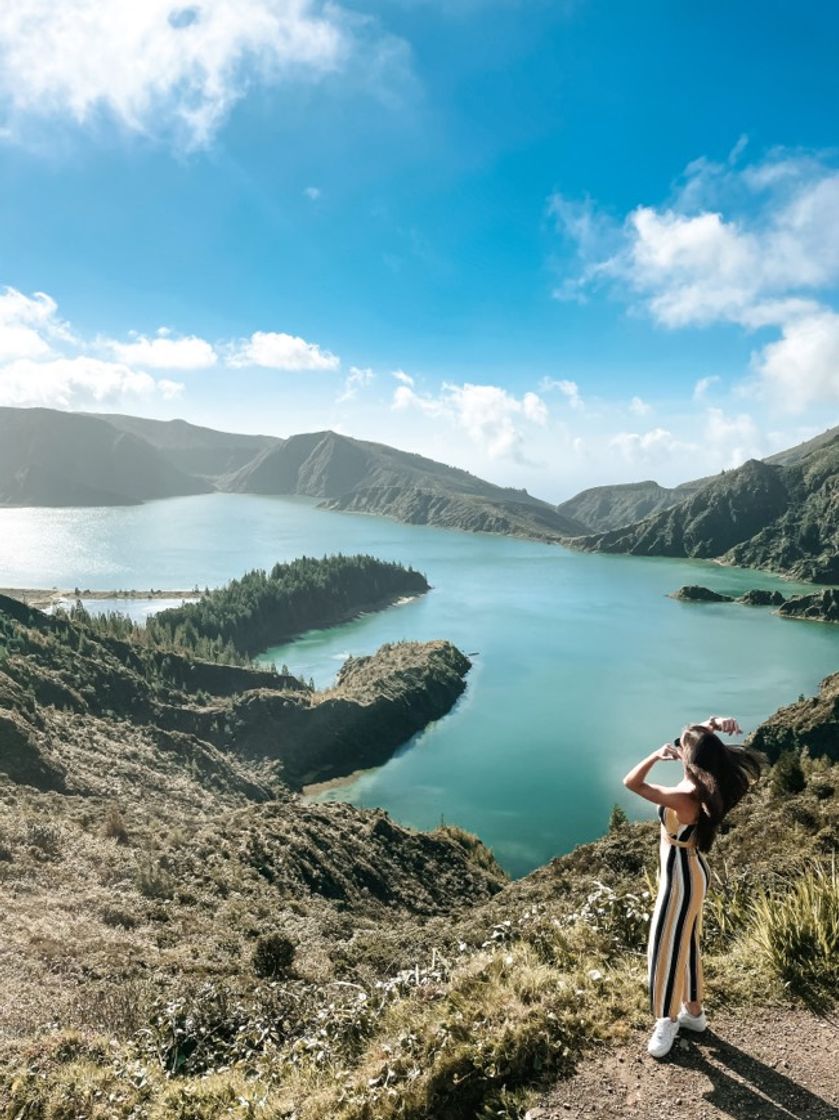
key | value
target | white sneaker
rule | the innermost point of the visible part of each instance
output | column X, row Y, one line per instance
column 692, row 1022
column 663, row 1037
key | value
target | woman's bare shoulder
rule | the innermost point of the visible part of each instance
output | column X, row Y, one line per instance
column 690, row 809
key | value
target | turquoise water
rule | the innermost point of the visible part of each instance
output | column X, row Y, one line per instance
column 581, row 664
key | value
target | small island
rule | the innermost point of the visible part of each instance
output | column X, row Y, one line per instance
column 694, row 593
column 822, row 606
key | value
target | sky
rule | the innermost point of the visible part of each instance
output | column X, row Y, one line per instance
column 559, row 243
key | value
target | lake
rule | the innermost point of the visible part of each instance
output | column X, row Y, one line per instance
column 581, row 663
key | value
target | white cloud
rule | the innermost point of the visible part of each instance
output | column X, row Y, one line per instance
column 356, row 379
column 170, row 389
column 164, row 352
column 700, row 389
column 76, row 383
column 639, row 407
column 757, row 246
column 277, row 350
column 733, row 438
column 404, row 397
column 802, row 367
column 715, row 440
column 569, row 389
column 312, row 193
column 156, row 66
column 488, row 414
column 28, row 324
column 656, row 445
column 43, row 362
column 402, row 376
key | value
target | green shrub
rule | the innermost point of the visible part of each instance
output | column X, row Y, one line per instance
column 623, row 917
column 797, row 935
column 788, row 774
column 44, row 838
column 617, row 818
column 114, row 827
column 273, row 955
column 154, row 881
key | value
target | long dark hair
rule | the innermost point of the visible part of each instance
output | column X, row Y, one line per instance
column 722, row 774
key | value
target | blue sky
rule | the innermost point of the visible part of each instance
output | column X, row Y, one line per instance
column 555, row 243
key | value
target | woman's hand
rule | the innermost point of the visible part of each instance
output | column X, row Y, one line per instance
column 667, row 752
column 726, row 724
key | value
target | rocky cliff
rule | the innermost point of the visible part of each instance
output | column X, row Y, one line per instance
column 782, row 517
column 812, row 722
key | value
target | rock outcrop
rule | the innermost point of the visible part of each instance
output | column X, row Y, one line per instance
column 378, row 703
column 820, row 607
column 758, row 597
column 695, row 593
column 811, row 722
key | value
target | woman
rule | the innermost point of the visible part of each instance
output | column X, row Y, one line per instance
column 715, row 778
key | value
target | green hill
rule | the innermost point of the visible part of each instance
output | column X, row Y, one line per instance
column 50, row 458
column 608, row 507
column 185, row 937
column 779, row 516
column 195, row 450
column 350, row 474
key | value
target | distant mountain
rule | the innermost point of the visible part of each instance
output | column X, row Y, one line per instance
column 351, row 474
column 195, row 450
column 61, row 458
column 781, row 515
column 609, row 507
column 603, row 508
column 50, row 458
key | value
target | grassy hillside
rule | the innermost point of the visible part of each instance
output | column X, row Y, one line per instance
column 50, row 458
column 184, row 937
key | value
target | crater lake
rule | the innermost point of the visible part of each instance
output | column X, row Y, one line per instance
column 581, row 662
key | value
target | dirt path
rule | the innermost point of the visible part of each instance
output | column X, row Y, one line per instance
column 772, row 1065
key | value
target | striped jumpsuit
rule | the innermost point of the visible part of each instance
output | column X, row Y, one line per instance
column 674, row 966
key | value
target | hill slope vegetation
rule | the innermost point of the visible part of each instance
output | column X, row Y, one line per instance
column 184, row 936
column 350, row 474
column 195, row 450
column 608, row 507
column 50, row 458
column 779, row 516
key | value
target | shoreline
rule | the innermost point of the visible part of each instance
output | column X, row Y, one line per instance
column 42, row 597
column 312, row 789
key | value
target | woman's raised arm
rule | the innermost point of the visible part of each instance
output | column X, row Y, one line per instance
column 661, row 795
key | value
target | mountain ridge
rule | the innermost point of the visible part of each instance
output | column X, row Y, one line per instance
column 781, row 516
column 49, row 457
column 337, row 470
column 778, row 513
